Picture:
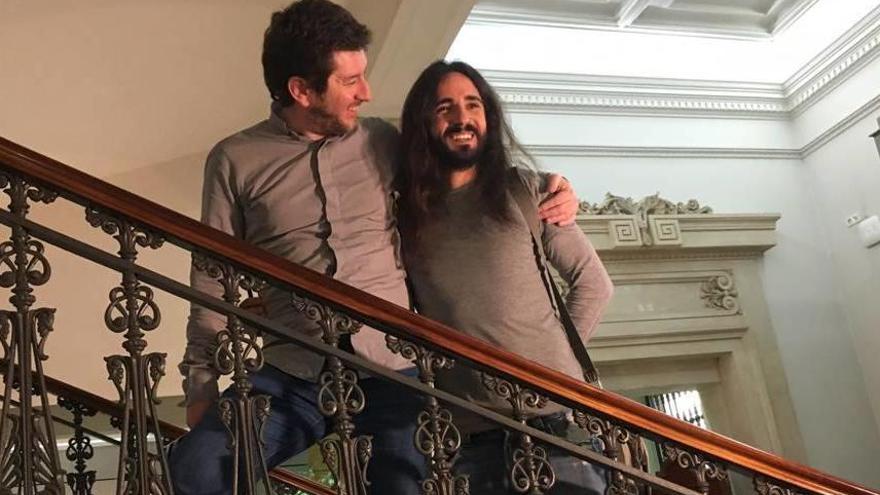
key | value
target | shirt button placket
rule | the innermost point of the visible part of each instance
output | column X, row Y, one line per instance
column 332, row 207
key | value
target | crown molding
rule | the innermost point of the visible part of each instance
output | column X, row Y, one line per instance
column 585, row 94
column 844, row 58
column 841, row 126
column 501, row 14
column 582, row 151
column 582, row 94
column 588, row 151
column 785, row 21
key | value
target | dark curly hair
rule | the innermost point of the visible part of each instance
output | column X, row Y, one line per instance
column 300, row 41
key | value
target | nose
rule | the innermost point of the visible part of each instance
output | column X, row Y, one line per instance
column 457, row 116
column 364, row 92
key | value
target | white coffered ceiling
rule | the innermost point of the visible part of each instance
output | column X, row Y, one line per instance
column 759, row 19
column 666, row 39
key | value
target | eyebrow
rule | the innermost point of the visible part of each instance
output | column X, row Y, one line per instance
column 467, row 98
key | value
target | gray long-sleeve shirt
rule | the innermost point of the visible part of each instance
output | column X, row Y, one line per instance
column 481, row 277
column 326, row 205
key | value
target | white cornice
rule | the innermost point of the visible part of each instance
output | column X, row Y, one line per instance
column 840, row 127
column 582, row 94
column 500, row 14
column 579, row 151
column 834, row 65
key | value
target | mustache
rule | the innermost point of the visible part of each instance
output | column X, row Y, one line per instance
column 460, row 127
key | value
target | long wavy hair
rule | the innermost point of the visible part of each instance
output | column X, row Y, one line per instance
column 423, row 182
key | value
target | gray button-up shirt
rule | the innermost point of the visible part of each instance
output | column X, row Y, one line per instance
column 326, row 205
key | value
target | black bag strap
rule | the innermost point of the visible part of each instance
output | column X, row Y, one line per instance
column 517, row 187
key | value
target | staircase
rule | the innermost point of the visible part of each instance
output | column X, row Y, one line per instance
column 697, row 461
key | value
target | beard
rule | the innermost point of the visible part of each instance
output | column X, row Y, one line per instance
column 458, row 159
column 326, row 123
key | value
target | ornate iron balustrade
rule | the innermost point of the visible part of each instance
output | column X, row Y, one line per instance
column 29, row 463
column 81, row 403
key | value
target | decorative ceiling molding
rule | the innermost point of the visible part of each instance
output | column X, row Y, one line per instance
column 786, row 18
column 736, row 20
column 834, row 65
column 842, row 126
column 583, row 94
column 580, row 151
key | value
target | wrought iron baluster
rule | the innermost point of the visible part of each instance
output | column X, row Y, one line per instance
column 340, row 397
column 436, row 435
column 531, row 471
column 132, row 311
column 239, row 354
column 79, row 449
column 702, row 468
column 614, row 439
column 766, row 486
column 29, row 460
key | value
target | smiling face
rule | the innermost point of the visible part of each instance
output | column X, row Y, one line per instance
column 459, row 123
column 335, row 111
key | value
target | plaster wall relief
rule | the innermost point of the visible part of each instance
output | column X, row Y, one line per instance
column 689, row 311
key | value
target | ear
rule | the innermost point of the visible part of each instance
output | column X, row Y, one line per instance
column 300, row 91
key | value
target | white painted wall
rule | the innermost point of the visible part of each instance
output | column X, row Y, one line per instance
column 810, row 318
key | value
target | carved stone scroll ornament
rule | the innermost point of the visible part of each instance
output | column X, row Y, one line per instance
column 531, row 471
column 132, row 311
column 436, row 437
column 720, row 292
column 29, row 461
column 340, row 397
column 645, row 228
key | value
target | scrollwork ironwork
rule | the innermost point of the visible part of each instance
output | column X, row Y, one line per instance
column 339, row 398
column 619, row 484
column 531, row 471
column 613, row 439
column 436, row 436
column 132, row 311
column 518, row 397
column 29, row 461
column 333, row 323
column 79, row 449
column 766, row 486
column 702, row 468
column 238, row 353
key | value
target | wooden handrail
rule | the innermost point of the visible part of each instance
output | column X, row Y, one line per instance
column 104, row 406
column 85, row 189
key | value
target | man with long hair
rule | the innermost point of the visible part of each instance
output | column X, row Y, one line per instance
column 469, row 253
column 312, row 184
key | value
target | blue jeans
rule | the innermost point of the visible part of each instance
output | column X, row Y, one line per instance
column 485, row 458
column 201, row 463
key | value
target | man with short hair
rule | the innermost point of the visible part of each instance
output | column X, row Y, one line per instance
column 311, row 184
column 471, row 258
